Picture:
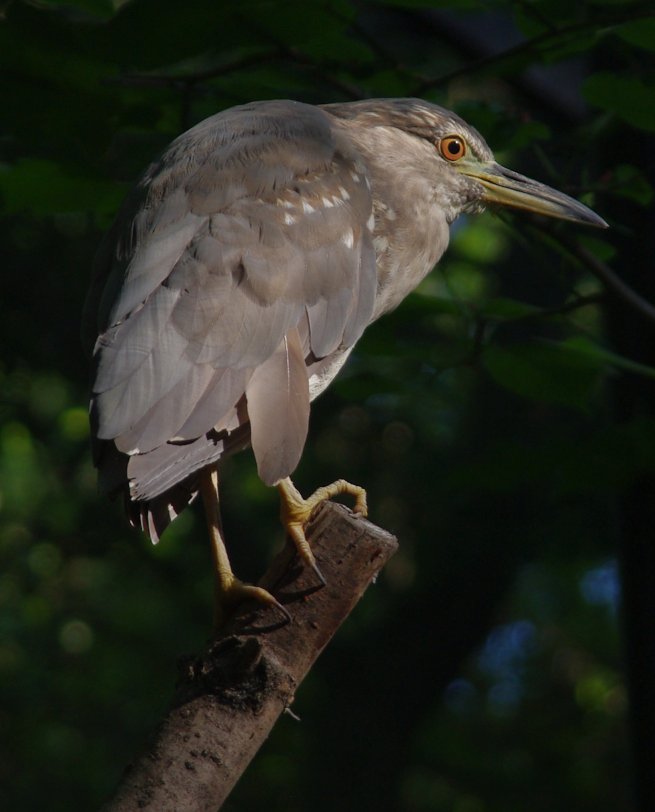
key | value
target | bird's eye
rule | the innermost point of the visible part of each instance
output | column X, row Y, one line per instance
column 452, row 147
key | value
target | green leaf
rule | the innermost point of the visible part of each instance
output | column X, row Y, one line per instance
column 78, row 10
column 320, row 35
column 44, row 188
column 526, row 134
column 626, row 97
column 628, row 181
column 482, row 241
column 640, row 33
column 567, row 372
column 419, row 303
column 545, row 372
column 594, row 352
column 506, row 309
column 603, row 249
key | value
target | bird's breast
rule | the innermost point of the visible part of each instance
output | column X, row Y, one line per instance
column 408, row 244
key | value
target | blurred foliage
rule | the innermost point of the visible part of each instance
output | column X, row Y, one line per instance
column 483, row 673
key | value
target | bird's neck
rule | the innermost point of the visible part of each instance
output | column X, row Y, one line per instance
column 410, row 231
column 409, row 242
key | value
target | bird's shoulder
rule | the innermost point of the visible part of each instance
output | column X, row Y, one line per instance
column 246, row 151
column 275, row 176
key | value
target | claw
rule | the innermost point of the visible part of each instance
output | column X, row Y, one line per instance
column 229, row 595
column 319, row 574
column 296, row 512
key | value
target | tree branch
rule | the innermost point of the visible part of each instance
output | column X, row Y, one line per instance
column 602, row 271
column 229, row 697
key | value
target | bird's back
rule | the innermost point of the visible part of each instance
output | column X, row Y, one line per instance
column 240, row 266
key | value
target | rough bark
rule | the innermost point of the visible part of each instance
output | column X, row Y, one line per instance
column 229, row 696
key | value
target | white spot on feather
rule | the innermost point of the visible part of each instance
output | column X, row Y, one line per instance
column 344, row 193
column 307, row 207
column 381, row 244
column 289, row 219
column 329, row 204
column 348, row 238
column 370, row 223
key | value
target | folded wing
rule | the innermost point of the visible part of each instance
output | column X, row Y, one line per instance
column 242, row 257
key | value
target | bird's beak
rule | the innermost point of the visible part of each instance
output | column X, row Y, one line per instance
column 507, row 188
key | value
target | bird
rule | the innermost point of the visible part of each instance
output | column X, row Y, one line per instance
column 237, row 278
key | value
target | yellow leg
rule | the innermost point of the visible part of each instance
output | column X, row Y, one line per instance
column 295, row 512
column 228, row 589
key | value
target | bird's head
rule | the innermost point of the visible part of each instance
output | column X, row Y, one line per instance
column 461, row 162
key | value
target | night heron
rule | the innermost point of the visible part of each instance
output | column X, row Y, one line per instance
column 240, row 273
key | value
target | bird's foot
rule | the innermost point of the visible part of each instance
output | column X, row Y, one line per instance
column 295, row 512
column 230, row 592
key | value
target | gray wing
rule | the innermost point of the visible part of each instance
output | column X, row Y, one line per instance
column 242, row 256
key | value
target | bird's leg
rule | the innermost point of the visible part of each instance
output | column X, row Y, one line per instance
column 295, row 512
column 228, row 589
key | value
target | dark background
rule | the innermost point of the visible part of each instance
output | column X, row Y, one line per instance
column 502, row 419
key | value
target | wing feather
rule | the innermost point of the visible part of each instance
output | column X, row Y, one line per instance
column 278, row 407
column 225, row 389
column 162, row 421
column 363, row 299
column 127, row 345
column 120, row 408
column 152, row 262
column 251, row 227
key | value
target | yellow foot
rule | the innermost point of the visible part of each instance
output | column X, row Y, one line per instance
column 295, row 512
column 230, row 592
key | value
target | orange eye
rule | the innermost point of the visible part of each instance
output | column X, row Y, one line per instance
column 452, row 147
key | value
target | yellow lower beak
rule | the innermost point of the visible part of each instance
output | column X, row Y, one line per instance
column 507, row 188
